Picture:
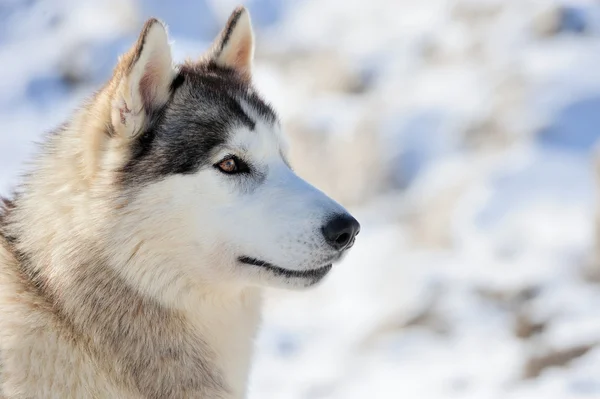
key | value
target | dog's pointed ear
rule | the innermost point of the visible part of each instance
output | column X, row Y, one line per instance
column 234, row 47
column 143, row 80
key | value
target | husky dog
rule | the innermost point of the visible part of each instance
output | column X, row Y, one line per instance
column 133, row 255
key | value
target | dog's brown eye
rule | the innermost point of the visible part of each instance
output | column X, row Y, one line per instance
column 228, row 165
column 232, row 165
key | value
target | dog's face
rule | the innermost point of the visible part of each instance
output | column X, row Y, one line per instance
column 207, row 166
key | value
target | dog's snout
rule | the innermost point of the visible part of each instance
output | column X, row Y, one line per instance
column 339, row 231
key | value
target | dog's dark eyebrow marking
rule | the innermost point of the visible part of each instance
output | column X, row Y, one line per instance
column 236, row 107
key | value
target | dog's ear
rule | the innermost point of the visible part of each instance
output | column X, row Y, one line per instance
column 234, row 47
column 143, row 80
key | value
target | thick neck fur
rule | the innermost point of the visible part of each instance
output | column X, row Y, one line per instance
column 109, row 284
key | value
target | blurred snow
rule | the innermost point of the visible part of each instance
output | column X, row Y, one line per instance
column 460, row 132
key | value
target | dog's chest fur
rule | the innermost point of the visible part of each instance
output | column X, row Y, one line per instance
column 91, row 335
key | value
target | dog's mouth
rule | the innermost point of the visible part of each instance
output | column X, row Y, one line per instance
column 313, row 274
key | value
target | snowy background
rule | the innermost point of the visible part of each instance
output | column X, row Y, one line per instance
column 461, row 134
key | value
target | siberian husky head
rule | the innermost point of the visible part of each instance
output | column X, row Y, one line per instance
column 204, row 182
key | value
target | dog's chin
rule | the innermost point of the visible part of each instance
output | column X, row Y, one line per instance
column 273, row 275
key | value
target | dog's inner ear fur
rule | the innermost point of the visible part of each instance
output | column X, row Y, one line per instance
column 234, row 47
column 144, row 77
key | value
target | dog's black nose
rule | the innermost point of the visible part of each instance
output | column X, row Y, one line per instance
column 339, row 232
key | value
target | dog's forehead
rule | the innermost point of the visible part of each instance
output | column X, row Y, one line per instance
column 220, row 93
